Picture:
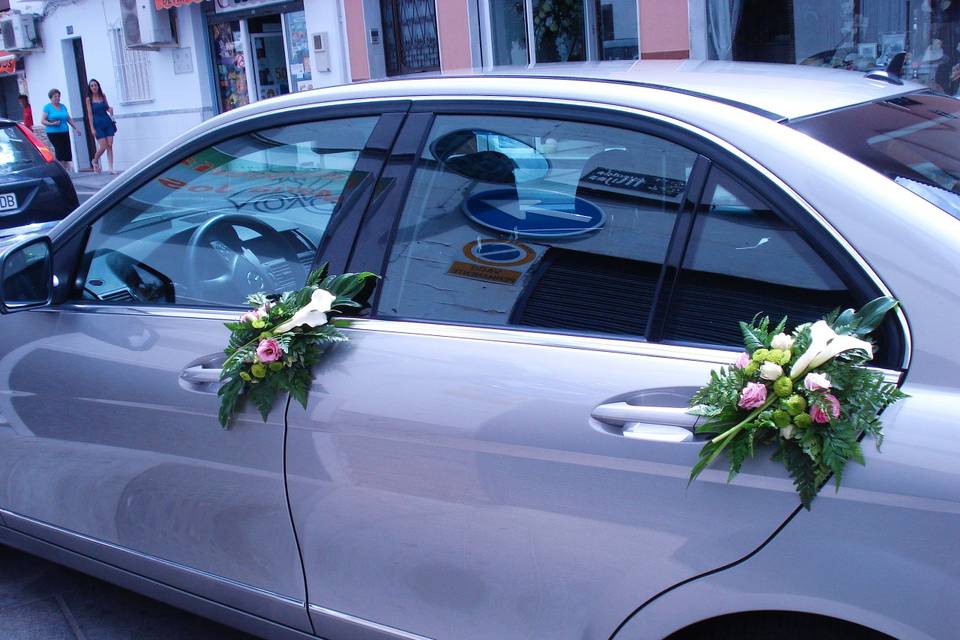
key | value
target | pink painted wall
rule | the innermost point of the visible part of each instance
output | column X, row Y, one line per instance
column 453, row 24
column 357, row 40
column 664, row 28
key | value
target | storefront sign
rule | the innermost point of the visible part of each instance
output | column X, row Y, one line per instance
column 8, row 63
column 170, row 4
column 224, row 6
column 538, row 213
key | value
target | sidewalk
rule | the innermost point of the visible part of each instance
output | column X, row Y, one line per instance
column 88, row 183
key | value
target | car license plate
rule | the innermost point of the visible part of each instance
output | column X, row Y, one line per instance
column 8, row 201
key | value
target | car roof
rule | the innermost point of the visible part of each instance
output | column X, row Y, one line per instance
column 778, row 91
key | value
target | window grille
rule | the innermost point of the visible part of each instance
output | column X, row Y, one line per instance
column 131, row 68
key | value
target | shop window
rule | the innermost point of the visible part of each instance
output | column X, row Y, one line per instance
column 410, row 41
column 857, row 36
column 562, row 30
column 131, row 67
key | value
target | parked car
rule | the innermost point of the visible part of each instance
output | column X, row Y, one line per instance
column 34, row 188
column 501, row 450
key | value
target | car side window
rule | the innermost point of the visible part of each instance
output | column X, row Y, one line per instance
column 741, row 259
column 535, row 222
column 244, row 215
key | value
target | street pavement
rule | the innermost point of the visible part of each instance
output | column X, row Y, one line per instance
column 40, row 600
column 88, row 183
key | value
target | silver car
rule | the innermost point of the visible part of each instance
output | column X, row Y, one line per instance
column 501, row 450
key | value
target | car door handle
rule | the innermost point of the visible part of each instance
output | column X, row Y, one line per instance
column 644, row 422
column 199, row 374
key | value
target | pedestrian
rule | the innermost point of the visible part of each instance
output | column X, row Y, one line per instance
column 57, row 121
column 102, row 125
column 27, row 111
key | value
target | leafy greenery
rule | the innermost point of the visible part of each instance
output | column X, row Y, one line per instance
column 815, row 428
column 285, row 357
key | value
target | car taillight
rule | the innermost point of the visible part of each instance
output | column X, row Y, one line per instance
column 42, row 148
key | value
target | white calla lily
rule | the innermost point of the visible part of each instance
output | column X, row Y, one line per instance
column 825, row 343
column 314, row 313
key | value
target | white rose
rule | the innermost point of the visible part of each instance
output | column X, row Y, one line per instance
column 770, row 371
column 786, row 432
column 314, row 313
column 781, row 341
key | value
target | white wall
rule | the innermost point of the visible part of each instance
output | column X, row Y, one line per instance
column 178, row 102
column 327, row 16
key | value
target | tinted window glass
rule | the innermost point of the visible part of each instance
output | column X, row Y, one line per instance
column 242, row 216
column 535, row 222
column 743, row 259
column 913, row 139
column 16, row 152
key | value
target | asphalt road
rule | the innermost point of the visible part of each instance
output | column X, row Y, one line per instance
column 40, row 600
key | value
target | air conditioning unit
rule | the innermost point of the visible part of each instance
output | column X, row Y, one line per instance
column 145, row 26
column 20, row 32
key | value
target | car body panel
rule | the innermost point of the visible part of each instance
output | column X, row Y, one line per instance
column 881, row 552
column 431, row 464
column 43, row 190
column 103, row 438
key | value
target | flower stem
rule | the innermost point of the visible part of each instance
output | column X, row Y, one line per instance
column 732, row 431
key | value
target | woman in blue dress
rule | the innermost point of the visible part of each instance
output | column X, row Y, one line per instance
column 102, row 125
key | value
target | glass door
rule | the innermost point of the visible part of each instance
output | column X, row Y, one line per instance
column 270, row 58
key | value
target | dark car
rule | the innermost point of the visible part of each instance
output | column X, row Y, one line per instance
column 33, row 186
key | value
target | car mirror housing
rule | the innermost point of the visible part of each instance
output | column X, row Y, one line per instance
column 26, row 275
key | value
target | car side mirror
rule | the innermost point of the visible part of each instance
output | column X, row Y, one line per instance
column 26, row 275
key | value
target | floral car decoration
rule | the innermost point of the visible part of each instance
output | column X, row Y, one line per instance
column 807, row 392
column 273, row 347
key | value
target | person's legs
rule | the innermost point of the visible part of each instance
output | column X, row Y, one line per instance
column 109, row 141
column 101, row 149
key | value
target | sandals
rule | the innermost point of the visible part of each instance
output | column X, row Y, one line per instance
column 96, row 166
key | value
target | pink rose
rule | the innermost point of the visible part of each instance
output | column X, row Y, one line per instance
column 816, row 382
column 249, row 316
column 752, row 396
column 269, row 351
column 819, row 415
column 742, row 361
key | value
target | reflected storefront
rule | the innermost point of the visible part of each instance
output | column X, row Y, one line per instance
column 259, row 49
column 857, row 35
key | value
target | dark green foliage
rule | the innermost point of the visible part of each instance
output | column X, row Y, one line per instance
column 302, row 346
column 810, row 451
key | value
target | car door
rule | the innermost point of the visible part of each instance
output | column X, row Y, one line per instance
column 110, row 440
column 502, row 450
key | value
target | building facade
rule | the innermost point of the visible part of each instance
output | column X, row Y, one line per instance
column 166, row 65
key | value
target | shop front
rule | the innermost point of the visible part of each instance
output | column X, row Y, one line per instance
column 530, row 31
column 259, row 49
column 858, row 35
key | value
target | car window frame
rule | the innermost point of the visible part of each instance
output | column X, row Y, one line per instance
column 338, row 239
column 381, row 220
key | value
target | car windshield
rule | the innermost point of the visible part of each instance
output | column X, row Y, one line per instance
column 16, row 152
column 914, row 140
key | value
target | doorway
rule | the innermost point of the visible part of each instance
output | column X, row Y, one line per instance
column 269, row 57
column 82, row 92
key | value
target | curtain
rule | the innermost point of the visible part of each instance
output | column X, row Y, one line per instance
column 722, row 19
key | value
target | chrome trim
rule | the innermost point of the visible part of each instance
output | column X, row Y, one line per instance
column 196, row 313
column 512, row 335
column 11, row 517
column 376, row 626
